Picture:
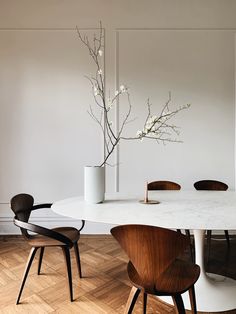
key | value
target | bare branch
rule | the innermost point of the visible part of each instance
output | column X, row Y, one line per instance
column 155, row 127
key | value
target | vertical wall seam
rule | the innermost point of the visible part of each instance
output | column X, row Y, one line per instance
column 117, row 154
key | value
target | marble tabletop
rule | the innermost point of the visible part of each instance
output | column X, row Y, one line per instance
column 177, row 209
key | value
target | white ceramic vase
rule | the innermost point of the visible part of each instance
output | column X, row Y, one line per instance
column 94, row 184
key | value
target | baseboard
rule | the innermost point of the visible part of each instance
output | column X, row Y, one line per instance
column 91, row 228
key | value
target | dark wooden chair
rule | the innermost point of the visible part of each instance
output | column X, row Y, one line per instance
column 63, row 237
column 170, row 185
column 212, row 185
column 154, row 265
column 163, row 185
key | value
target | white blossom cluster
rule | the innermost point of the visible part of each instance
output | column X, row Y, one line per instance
column 153, row 126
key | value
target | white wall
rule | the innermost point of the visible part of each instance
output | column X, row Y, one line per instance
column 46, row 136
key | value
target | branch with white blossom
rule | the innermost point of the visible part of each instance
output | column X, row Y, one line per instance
column 155, row 127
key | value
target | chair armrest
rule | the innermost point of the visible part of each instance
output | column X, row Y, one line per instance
column 43, row 231
column 47, row 205
column 82, row 226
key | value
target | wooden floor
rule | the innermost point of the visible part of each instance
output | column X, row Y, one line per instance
column 104, row 287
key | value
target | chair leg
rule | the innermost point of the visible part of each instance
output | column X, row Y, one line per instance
column 179, row 304
column 77, row 256
column 187, row 232
column 27, row 268
column 208, row 244
column 66, row 252
column 144, row 302
column 40, row 259
column 227, row 237
column 192, row 298
column 134, row 293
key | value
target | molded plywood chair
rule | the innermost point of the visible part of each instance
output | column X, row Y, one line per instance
column 163, row 185
column 212, row 185
column 64, row 237
column 154, row 266
column 169, row 185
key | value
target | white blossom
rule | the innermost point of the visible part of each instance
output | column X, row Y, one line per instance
column 100, row 71
column 148, row 126
column 116, row 92
column 151, row 120
column 154, row 118
column 166, row 114
column 109, row 104
column 100, row 52
column 139, row 133
column 95, row 91
column 122, row 88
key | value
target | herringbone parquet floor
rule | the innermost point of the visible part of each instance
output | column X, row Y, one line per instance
column 103, row 289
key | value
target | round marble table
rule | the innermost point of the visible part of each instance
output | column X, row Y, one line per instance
column 195, row 210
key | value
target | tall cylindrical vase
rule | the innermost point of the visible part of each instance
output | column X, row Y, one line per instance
column 94, row 184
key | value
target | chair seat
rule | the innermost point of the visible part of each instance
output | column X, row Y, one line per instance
column 39, row 240
column 185, row 273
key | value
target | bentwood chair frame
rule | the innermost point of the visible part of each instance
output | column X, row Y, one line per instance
column 212, row 185
column 63, row 237
column 154, row 266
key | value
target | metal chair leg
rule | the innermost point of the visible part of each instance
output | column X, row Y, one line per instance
column 191, row 247
column 227, row 237
column 27, row 268
column 208, row 244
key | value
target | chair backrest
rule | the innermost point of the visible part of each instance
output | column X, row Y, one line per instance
column 163, row 185
column 150, row 249
column 21, row 205
column 210, row 185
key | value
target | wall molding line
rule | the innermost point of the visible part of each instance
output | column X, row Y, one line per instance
column 115, row 29
column 48, row 29
column 117, row 112
column 175, row 29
